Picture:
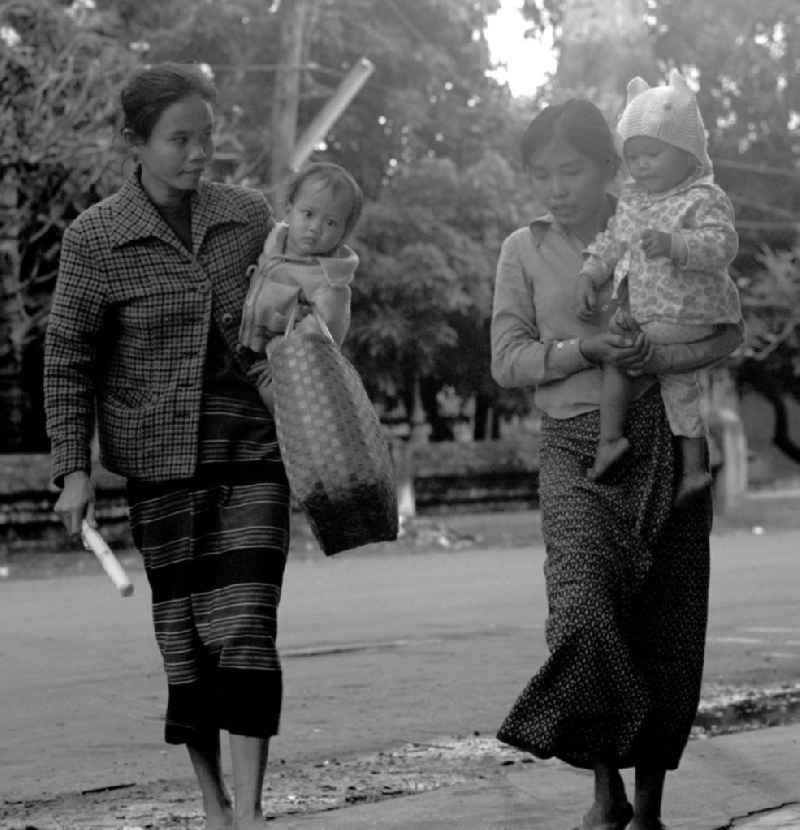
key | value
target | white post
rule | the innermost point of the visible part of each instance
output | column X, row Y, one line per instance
column 404, row 471
column 732, row 481
column 724, row 421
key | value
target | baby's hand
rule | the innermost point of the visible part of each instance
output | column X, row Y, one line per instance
column 585, row 297
column 656, row 243
column 262, row 377
column 622, row 322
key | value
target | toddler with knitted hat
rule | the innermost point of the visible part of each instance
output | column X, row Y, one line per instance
column 666, row 251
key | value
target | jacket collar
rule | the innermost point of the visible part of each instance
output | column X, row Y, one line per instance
column 542, row 224
column 136, row 217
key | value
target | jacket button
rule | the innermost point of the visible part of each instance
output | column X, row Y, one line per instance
column 227, row 318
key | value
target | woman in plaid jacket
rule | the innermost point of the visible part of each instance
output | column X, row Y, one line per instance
column 143, row 333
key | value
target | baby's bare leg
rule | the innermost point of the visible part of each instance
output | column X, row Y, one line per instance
column 614, row 400
column 695, row 477
column 681, row 393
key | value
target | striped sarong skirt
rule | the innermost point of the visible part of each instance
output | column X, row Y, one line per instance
column 214, row 550
column 627, row 591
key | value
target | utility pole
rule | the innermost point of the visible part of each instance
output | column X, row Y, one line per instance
column 293, row 16
column 290, row 152
column 330, row 113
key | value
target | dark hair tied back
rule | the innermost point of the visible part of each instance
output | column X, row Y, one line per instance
column 154, row 88
column 576, row 122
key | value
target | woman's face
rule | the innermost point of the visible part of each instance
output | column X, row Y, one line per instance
column 571, row 185
column 175, row 155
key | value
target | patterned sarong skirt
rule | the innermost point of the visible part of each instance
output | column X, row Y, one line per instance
column 214, row 550
column 627, row 590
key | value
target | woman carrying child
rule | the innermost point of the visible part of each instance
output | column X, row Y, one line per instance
column 144, row 331
column 626, row 570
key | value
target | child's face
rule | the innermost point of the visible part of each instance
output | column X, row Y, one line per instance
column 655, row 165
column 317, row 219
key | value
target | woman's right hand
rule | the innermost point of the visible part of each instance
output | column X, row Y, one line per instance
column 585, row 297
column 76, row 502
column 629, row 352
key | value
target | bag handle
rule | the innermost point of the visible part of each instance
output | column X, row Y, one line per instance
column 290, row 323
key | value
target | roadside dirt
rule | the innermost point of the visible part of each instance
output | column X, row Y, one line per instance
column 290, row 789
column 332, row 783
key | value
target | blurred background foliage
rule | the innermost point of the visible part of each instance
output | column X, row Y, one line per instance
column 433, row 139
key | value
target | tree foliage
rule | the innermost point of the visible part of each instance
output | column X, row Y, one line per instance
column 58, row 84
column 742, row 58
column 429, row 138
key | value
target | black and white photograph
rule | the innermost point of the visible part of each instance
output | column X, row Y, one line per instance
column 399, row 414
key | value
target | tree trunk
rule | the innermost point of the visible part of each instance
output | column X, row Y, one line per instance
column 440, row 430
column 481, row 418
column 605, row 44
column 12, row 316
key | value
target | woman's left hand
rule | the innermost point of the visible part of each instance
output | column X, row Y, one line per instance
column 635, row 363
column 628, row 352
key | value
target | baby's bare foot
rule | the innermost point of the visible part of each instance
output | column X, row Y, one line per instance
column 608, row 454
column 690, row 486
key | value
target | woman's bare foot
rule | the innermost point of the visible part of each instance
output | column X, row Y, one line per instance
column 692, row 485
column 608, row 454
column 219, row 819
column 250, row 823
column 638, row 823
column 615, row 818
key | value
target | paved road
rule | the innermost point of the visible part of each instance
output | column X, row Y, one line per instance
column 377, row 651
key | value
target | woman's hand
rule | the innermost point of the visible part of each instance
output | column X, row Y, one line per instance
column 629, row 352
column 76, row 502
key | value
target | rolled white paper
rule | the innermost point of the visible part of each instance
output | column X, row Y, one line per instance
column 93, row 541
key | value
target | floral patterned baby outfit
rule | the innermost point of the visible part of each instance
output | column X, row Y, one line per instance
column 672, row 301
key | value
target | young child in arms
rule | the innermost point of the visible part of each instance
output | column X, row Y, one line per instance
column 667, row 248
column 305, row 265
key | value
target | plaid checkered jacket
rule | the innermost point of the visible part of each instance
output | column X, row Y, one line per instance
column 129, row 326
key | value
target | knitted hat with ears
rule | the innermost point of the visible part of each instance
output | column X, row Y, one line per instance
column 669, row 113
